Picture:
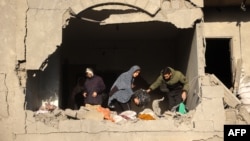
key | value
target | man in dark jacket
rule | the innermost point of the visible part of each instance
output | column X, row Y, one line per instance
column 176, row 83
column 93, row 88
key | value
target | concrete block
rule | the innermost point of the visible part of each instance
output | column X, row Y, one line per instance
column 219, row 125
column 131, row 2
column 205, row 81
column 30, row 122
column 203, row 125
column 175, row 4
column 3, row 104
column 231, row 116
column 244, row 113
column 212, row 91
column 43, row 128
column 93, row 126
column 152, row 8
column 70, row 113
column 94, row 115
column 3, row 86
column 213, row 109
column 30, row 116
column 70, row 126
column 31, row 128
column 141, row 3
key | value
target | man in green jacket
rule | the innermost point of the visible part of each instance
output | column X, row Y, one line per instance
column 176, row 84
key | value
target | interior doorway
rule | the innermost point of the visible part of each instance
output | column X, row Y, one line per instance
column 218, row 60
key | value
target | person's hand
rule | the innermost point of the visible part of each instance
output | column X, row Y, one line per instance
column 136, row 101
column 84, row 94
column 94, row 94
column 148, row 90
column 132, row 85
column 184, row 95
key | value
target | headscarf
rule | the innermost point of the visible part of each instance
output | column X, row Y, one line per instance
column 123, row 84
column 125, row 80
column 90, row 71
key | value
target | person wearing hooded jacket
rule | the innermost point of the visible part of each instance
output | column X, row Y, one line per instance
column 121, row 91
column 176, row 84
column 93, row 88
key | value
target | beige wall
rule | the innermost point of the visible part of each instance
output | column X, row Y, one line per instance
column 245, row 43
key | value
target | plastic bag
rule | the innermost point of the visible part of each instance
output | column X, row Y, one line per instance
column 182, row 108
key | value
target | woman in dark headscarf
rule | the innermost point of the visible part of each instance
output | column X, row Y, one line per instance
column 121, row 91
column 93, row 88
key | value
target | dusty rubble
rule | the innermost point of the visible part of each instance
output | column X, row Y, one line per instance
column 52, row 117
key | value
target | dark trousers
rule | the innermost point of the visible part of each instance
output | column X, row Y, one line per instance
column 79, row 100
column 121, row 107
column 174, row 98
column 105, row 98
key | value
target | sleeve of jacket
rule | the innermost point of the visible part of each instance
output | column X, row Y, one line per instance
column 185, row 83
column 156, row 83
column 101, row 86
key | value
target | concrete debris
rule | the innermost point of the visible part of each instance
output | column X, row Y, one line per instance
column 70, row 113
column 229, row 98
column 180, row 119
column 237, row 116
column 231, row 116
column 51, row 118
column 246, row 116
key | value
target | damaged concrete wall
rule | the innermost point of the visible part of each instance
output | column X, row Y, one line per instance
column 195, row 67
column 237, row 30
column 12, row 117
column 166, row 11
column 28, row 29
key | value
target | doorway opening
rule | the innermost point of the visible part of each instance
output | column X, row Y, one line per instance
column 218, row 60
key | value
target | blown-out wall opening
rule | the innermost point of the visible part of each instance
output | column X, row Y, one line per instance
column 110, row 49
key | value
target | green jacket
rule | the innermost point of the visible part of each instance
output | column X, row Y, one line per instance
column 176, row 81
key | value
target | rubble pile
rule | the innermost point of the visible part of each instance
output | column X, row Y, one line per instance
column 98, row 113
